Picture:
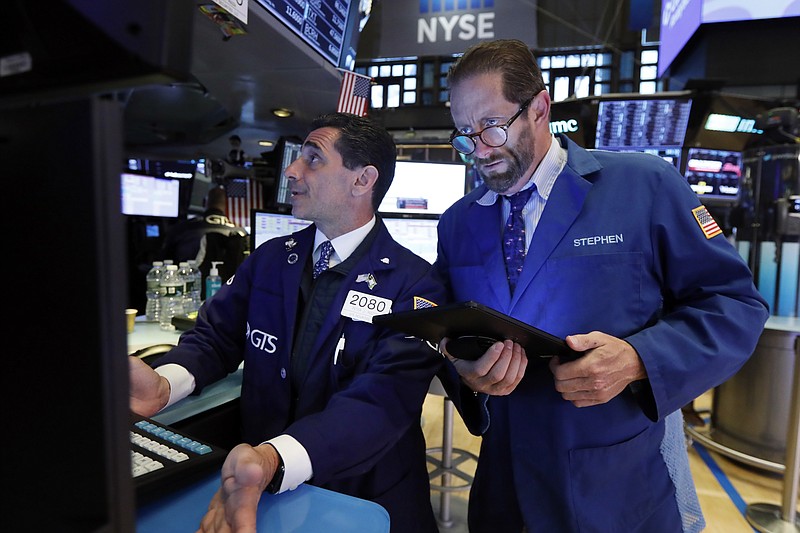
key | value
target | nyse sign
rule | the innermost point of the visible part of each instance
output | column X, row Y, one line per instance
column 448, row 27
column 464, row 27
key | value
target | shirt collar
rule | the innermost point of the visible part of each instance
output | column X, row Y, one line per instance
column 344, row 245
column 544, row 176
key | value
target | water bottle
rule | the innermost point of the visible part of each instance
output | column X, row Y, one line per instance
column 188, row 286
column 198, row 283
column 153, row 291
column 171, row 298
column 213, row 281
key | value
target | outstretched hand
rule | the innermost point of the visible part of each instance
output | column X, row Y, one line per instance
column 497, row 372
column 607, row 366
column 245, row 475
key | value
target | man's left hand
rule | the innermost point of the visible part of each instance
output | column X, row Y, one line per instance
column 607, row 366
column 245, row 475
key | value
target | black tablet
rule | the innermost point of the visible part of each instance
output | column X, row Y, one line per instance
column 473, row 327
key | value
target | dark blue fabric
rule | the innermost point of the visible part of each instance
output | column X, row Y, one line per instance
column 357, row 415
column 614, row 254
column 514, row 236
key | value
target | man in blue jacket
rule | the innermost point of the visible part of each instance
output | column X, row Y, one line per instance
column 615, row 253
column 327, row 397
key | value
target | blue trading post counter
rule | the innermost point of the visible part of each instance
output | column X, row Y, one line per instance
column 306, row 509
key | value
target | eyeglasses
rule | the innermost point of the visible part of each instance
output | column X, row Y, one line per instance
column 493, row 136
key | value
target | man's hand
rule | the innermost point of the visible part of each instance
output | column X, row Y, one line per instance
column 608, row 365
column 497, row 372
column 245, row 475
column 149, row 392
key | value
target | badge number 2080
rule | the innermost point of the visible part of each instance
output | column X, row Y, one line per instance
column 362, row 306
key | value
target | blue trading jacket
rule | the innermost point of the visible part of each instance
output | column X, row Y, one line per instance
column 617, row 250
column 359, row 419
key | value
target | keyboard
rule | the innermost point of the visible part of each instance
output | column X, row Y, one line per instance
column 164, row 459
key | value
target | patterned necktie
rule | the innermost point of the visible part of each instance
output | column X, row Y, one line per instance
column 325, row 251
column 514, row 236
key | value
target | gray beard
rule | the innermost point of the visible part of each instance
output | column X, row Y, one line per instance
column 518, row 163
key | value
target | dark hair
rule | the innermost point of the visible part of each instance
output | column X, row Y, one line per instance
column 522, row 78
column 363, row 142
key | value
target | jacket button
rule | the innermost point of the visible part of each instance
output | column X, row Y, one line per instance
column 283, row 373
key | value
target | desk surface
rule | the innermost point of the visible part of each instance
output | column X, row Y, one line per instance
column 149, row 333
column 783, row 323
column 306, row 509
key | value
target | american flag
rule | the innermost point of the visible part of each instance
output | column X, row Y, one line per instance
column 422, row 303
column 354, row 94
column 706, row 222
column 243, row 195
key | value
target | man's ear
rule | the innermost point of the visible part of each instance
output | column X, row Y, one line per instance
column 365, row 181
column 541, row 106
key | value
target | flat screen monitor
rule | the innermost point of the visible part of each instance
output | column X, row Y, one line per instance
column 288, row 150
column 670, row 155
column 657, row 122
column 424, row 188
column 415, row 233
column 266, row 225
column 330, row 27
column 714, row 174
column 149, row 196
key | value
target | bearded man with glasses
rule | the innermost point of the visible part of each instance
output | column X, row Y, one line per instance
column 613, row 252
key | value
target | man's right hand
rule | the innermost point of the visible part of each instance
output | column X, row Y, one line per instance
column 149, row 392
column 497, row 372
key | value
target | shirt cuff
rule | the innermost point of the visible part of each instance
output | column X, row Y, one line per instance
column 296, row 463
column 181, row 382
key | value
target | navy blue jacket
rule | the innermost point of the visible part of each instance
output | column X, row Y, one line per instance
column 359, row 419
column 617, row 250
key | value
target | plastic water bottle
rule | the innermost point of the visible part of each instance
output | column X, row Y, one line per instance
column 213, row 281
column 172, row 297
column 188, row 286
column 198, row 283
column 153, row 291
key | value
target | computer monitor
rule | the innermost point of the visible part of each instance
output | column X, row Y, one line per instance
column 266, row 224
column 714, row 174
column 424, row 188
column 287, row 150
column 418, row 234
column 149, row 196
column 331, row 29
column 671, row 155
column 659, row 121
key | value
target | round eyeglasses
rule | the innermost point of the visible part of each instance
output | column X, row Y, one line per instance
column 493, row 136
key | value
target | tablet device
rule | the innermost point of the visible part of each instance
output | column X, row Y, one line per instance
column 473, row 327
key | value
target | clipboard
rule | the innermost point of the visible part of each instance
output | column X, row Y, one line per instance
column 475, row 327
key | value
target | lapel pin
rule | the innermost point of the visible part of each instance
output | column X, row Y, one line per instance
column 385, row 260
column 292, row 259
column 291, row 243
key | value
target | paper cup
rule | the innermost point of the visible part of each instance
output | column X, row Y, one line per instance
column 130, row 316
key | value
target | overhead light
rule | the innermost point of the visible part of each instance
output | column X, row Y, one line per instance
column 265, row 142
column 282, row 112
